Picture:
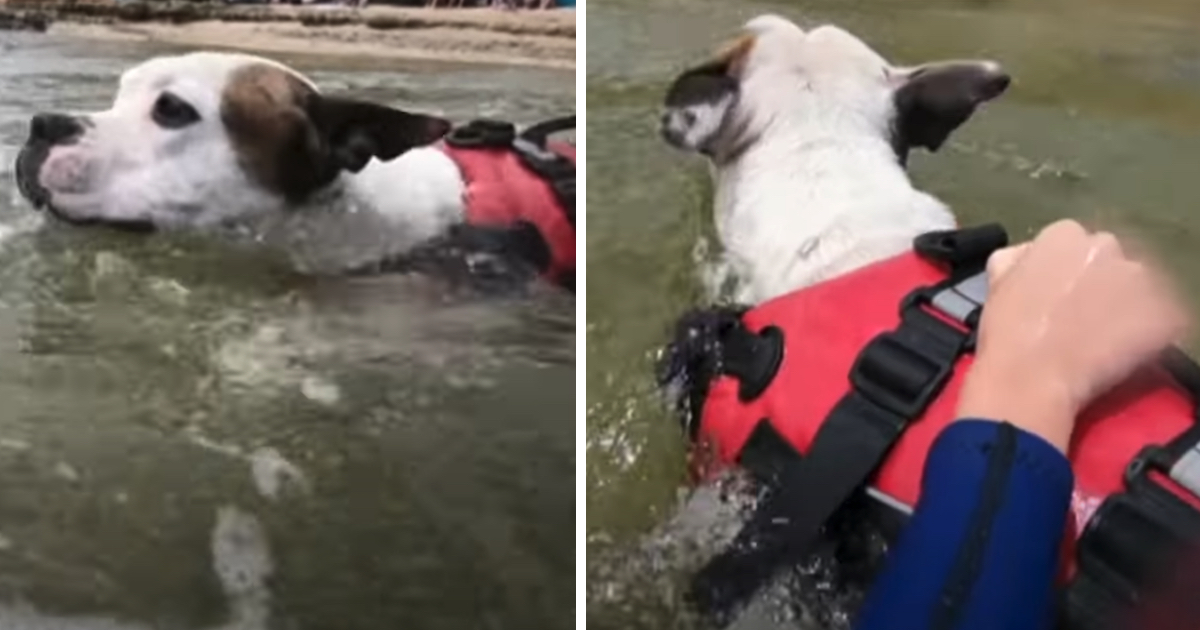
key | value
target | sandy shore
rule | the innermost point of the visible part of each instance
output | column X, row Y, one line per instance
column 542, row 38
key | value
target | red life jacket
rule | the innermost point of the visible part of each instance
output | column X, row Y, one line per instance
column 505, row 187
column 804, row 345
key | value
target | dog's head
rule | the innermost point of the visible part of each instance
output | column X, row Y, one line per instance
column 824, row 83
column 203, row 138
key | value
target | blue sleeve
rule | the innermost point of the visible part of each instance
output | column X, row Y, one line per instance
column 982, row 548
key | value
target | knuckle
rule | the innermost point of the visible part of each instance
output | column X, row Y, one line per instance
column 1064, row 227
column 1106, row 240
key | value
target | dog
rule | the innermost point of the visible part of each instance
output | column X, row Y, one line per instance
column 807, row 134
column 206, row 140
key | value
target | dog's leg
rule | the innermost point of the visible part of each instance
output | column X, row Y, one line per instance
column 694, row 357
column 489, row 259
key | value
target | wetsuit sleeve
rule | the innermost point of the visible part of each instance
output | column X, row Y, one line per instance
column 981, row 549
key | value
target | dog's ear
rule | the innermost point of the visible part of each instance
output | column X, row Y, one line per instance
column 935, row 99
column 699, row 100
column 294, row 141
column 352, row 132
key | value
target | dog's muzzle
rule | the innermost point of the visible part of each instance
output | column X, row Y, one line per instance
column 47, row 131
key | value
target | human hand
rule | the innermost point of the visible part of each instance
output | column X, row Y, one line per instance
column 1068, row 316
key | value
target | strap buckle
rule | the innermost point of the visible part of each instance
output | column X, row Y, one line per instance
column 963, row 300
column 542, row 160
column 897, row 376
column 1133, row 537
column 960, row 298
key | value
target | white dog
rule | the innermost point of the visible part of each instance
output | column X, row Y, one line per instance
column 210, row 139
column 808, row 133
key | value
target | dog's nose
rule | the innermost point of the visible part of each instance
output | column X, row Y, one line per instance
column 54, row 128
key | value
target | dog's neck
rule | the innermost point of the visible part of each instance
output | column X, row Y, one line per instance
column 803, row 205
column 384, row 210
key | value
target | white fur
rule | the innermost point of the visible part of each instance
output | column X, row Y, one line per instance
column 127, row 167
column 808, row 185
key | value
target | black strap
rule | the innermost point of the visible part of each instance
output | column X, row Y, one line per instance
column 540, row 133
column 1126, row 551
column 767, row 454
column 894, row 379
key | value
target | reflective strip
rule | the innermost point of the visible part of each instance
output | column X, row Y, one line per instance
column 1186, row 471
column 890, row 501
column 960, row 300
column 522, row 145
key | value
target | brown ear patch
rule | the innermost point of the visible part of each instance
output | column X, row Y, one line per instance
column 294, row 141
column 264, row 112
column 732, row 56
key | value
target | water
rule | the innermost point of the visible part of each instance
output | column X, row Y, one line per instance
column 194, row 436
column 1102, row 123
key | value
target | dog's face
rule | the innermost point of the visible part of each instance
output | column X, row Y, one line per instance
column 205, row 138
column 824, row 83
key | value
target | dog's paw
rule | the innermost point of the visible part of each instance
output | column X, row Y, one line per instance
column 693, row 358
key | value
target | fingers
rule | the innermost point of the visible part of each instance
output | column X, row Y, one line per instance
column 1064, row 235
column 1104, row 244
column 1064, row 230
column 1000, row 262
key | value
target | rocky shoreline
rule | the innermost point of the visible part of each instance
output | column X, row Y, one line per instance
column 475, row 35
column 13, row 20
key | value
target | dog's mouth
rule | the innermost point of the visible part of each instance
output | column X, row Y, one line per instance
column 29, row 164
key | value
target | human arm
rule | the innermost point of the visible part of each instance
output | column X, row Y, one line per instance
column 980, row 550
column 1069, row 316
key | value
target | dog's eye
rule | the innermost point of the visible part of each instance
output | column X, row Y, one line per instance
column 172, row 112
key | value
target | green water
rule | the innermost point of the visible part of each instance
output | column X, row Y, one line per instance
column 177, row 408
column 1102, row 123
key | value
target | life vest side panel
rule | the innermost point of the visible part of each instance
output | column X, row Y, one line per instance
column 500, row 191
column 827, row 325
column 822, row 337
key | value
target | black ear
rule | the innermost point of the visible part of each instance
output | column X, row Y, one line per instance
column 352, row 132
column 699, row 99
column 935, row 99
column 707, row 83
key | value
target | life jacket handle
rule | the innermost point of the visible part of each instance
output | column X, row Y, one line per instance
column 963, row 247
